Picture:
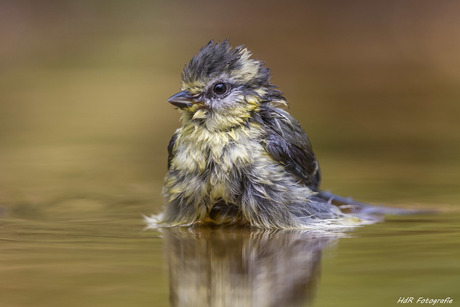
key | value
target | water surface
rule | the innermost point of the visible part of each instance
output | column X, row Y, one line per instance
column 111, row 261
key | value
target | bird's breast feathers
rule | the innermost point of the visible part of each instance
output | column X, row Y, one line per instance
column 197, row 148
column 210, row 161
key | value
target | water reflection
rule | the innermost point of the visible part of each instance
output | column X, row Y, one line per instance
column 243, row 267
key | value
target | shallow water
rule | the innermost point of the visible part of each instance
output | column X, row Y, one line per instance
column 112, row 261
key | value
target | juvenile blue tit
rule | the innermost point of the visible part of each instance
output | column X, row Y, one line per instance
column 239, row 157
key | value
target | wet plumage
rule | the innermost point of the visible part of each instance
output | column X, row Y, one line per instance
column 239, row 157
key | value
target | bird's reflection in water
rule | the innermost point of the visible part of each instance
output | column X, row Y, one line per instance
column 243, row 267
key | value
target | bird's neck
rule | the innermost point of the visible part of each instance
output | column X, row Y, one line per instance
column 219, row 120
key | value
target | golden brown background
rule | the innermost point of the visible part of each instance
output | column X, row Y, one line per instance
column 84, row 88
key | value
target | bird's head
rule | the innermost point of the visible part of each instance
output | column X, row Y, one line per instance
column 224, row 83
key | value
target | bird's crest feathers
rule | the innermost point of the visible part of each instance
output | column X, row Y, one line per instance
column 216, row 59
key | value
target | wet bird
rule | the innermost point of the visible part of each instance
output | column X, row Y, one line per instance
column 239, row 156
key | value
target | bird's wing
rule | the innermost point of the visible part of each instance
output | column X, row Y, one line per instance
column 288, row 144
column 171, row 144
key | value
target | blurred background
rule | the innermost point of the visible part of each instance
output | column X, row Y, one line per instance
column 85, row 122
column 84, row 88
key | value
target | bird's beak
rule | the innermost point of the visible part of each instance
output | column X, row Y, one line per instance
column 181, row 100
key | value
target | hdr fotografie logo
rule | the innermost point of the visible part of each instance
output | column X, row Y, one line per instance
column 424, row 300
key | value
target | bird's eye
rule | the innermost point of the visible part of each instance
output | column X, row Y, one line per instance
column 220, row 88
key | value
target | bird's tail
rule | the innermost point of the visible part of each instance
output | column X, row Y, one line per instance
column 349, row 205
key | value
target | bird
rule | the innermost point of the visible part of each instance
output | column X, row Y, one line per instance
column 239, row 157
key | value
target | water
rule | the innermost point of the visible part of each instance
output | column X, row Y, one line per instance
column 112, row 261
column 84, row 125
